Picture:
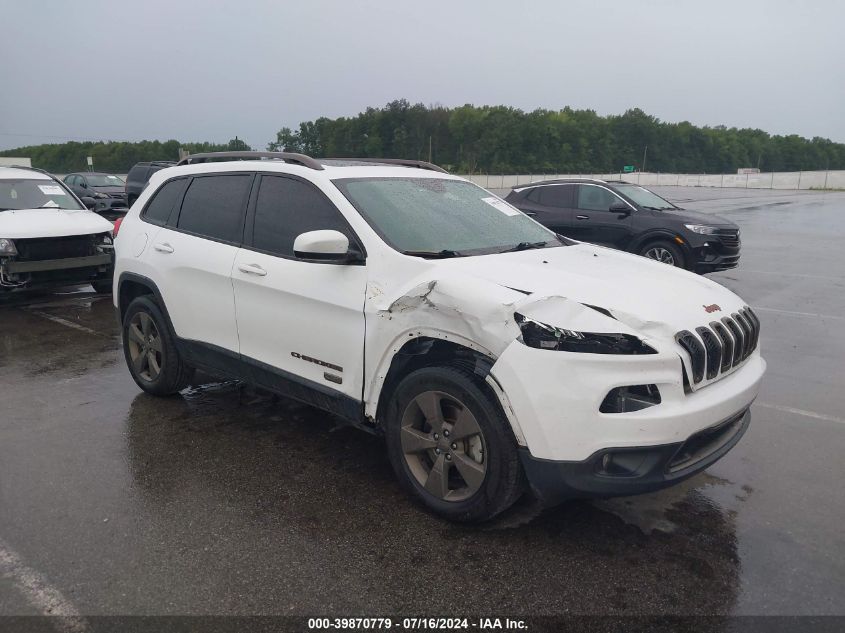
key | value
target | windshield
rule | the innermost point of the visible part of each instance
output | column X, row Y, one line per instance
column 29, row 193
column 442, row 217
column 644, row 197
column 104, row 180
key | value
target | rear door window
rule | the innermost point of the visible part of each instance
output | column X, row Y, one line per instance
column 214, row 207
column 557, row 196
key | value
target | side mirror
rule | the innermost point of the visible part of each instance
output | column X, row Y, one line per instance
column 325, row 246
column 620, row 207
column 88, row 201
column 84, row 185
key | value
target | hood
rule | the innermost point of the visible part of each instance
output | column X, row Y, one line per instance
column 109, row 189
column 47, row 222
column 648, row 296
column 696, row 217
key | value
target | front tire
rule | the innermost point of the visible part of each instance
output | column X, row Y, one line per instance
column 150, row 350
column 664, row 252
column 451, row 445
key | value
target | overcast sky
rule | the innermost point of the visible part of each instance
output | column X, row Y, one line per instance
column 209, row 70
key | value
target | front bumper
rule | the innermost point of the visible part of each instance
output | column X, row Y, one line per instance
column 52, row 272
column 617, row 472
column 553, row 399
column 711, row 254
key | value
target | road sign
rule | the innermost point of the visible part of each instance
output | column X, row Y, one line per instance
column 90, row 161
column 628, row 169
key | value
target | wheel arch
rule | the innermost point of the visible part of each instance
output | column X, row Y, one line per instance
column 425, row 349
column 654, row 235
column 130, row 286
column 662, row 235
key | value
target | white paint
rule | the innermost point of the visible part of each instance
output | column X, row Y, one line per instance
column 39, row 593
column 66, row 323
column 331, row 313
column 803, row 412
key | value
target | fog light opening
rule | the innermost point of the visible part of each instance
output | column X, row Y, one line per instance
column 630, row 398
column 621, row 464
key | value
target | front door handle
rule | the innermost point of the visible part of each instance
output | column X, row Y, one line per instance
column 164, row 247
column 582, row 217
column 531, row 213
column 252, row 269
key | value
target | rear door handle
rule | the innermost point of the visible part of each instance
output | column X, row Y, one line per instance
column 252, row 269
column 582, row 217
column 163, row 248
column 531, row 213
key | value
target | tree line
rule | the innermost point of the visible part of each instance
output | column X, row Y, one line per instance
column 502, row 139
column 494, row 140
column 112, row 156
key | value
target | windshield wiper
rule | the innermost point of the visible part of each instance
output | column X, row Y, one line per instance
column 525, row 246
column 444, row 254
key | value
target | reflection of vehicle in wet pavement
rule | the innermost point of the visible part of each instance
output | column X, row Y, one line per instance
column 223, row 501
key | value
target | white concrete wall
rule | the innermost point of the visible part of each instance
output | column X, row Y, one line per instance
column 8, row 161
column 777, row 180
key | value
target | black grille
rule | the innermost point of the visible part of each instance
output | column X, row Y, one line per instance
column 729, row 237
column 721, row 345
column 55, row 248
column 727, row 344
column 695, row 349
column 704, row 443
column 714, row 351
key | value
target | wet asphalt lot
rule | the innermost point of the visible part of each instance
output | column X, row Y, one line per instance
column 222, row 501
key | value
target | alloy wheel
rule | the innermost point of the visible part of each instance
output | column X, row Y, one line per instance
column 145, row 350
column 660, row 254
column 444, row 446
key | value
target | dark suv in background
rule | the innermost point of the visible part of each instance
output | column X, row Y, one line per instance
column 631, row 218
column 139, row 176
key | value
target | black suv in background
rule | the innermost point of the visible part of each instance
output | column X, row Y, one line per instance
column 139, row 176
column 631, row 218
column 107, row 191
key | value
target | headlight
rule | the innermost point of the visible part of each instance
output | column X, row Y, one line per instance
column 542, row 336
column 7, row 247
column 703, row 229
column 100, row 195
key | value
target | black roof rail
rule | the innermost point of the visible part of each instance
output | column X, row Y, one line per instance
column 288, row 157
column 402, row 162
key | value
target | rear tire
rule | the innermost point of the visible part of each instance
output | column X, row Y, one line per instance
column 451, row 445
column 664, row 252
column 150, row 349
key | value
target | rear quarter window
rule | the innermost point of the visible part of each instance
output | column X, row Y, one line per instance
column 158, row 209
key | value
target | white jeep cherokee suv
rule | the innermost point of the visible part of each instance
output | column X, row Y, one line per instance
column 48, row 237
column 490, row 352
